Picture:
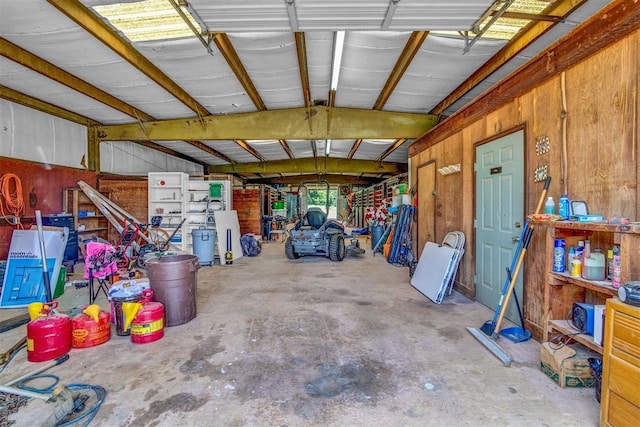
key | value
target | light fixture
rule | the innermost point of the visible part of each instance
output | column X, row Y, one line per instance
column 327, row 147
column 338, row 45
column 148, row 20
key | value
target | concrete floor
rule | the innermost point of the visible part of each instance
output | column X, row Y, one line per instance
column 313, row 342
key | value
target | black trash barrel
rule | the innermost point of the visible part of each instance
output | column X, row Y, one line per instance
column 173, row 280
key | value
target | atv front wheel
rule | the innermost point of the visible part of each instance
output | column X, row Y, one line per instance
column 336, row 247
column 288, row 249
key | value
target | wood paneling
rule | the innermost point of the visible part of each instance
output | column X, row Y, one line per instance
column 247, row 203
column 602, row 151
column 44, row 183
column 130, row 193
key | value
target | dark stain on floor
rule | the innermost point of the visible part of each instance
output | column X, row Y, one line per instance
column 344, row 292
column 450, row 332
column 181, row 402
column 363, row 380
column 198, row 364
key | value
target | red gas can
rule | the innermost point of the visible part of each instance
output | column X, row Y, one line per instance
column 148, row 325
column 86, row 332
column 48, row 336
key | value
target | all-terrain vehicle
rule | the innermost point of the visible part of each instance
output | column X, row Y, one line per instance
column 314, row 234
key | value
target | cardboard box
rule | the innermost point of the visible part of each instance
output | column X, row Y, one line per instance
column 567, row 365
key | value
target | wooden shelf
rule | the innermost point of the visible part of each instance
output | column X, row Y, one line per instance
column 564, row 327
column 73, row 201
column 92, row 230
column 591, row 227
column 601, row 286
column 562, row 291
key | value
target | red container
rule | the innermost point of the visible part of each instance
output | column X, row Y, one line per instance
column 86, row 332
column 48, row 336
column 148, row 325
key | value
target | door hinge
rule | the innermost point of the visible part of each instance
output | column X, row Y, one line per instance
column 475, row 223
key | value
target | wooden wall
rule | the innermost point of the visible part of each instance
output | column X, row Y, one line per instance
column 602, row 105
column 247, row 203
column 42, row 184
column 128, row 192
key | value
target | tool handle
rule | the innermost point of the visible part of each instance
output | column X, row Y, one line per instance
column 42, row 368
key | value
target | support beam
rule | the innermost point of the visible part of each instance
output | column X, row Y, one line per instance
column 611, row 24
column 293, row 123
column 99, row 29
column 249, row 149
column 323, row 166
column 37, row 104
column 93, row 150
column 354, row 148
column 231, row 56
column 411, row 48
column 517, row 44
column 301, row 51
column 391, row 149
column 47, row 69
column 54, row 110
column 286, row 148
column 332, row 179
column 204, row 147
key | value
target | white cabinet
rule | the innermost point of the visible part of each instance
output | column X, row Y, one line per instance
column 166, row 200
column 202, row 199
column 174, row 197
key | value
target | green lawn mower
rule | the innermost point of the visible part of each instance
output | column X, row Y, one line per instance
column 316, row 235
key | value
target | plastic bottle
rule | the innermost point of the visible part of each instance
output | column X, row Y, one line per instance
column 609, row 264
column 615, row 279
column 576, row 263
column 550, row 206
column 564, row 209
column 586, row 254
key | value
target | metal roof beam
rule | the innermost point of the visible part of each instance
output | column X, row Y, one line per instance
column 95, row 26
column 410, row 50
column 517, row 44
column 391, row 149
column 354, row 148
column 301, row 50
column 47, row 69
column 204, row 147
column 325, row 165
column 292, row 123
column 249, row 149
column 37, row 104
column 231, row 56
column 331, row 178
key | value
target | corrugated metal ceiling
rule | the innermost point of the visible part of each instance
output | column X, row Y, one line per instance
column 257, row 36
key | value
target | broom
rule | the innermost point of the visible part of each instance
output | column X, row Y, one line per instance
column 491, row 327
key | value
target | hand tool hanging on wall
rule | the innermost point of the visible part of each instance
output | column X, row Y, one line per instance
column 487, row 333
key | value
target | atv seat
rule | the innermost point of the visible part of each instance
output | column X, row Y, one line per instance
column 315, row 217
